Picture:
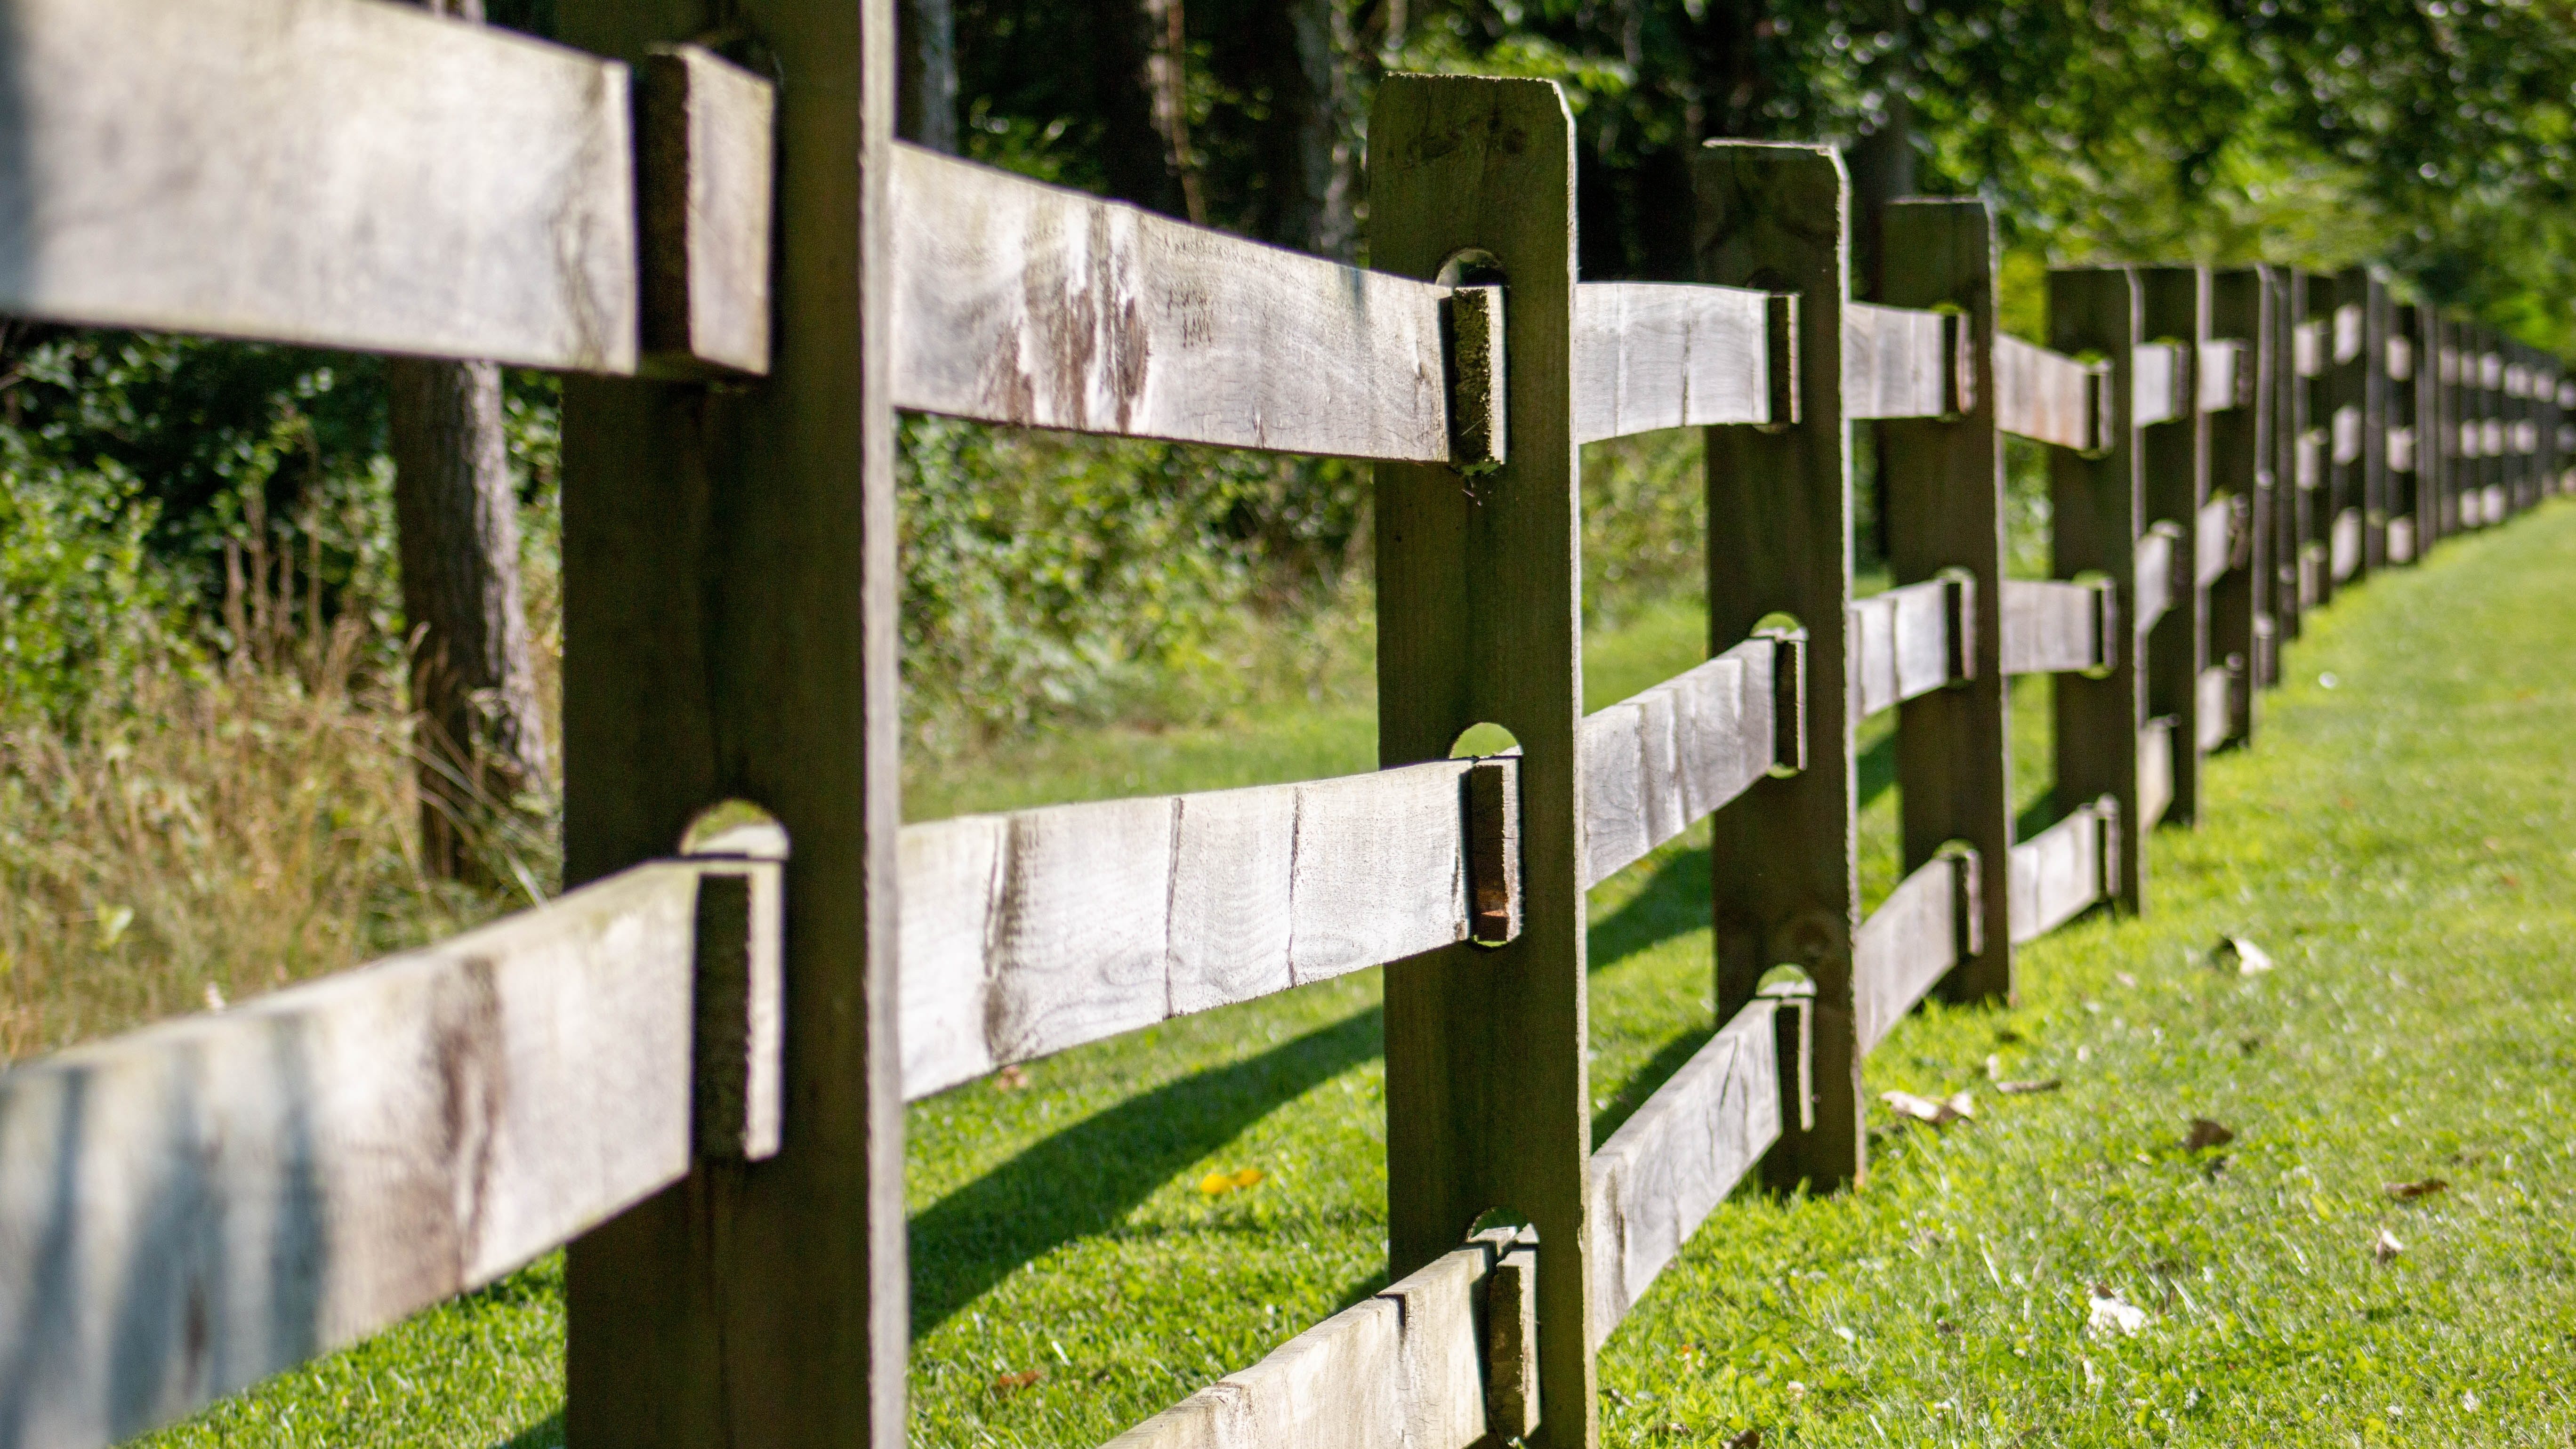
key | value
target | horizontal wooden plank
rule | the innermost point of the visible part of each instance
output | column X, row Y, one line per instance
column 193, row 1207
column 1026, row 304
column 1658, row 761
column 2401, row 450
column 2343, row 545
column 2044, row 395
column 2214, row 539
column 2308, row 349
column 2055, row 627
column 2156, row 577
column 2159, row 384
column 2157, row 739
column 1901, row 363
column 1901, row 644
column 318, row 171
column 1027, row 933
column 1911, row 941
column 2401, row 539
column 1404, row 1368
column 1668, row 1166
column 2346, row 432
column 2224, row 374
column 2060, row 872
column 2401, row 358
column 2216, row 705
column 1649, row 356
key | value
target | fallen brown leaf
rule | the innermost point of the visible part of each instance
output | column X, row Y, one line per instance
column 2409, row 1191
column 1959, row 1107
column 1749, row 1439
column 2206, row 1134
column 1009, row 1384
column 1010, row 1079
column 2240, row 955
column 2023, row 1089
column 2387, row 1247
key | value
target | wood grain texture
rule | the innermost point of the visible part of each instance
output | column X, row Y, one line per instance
column 2175, row 302
column 703, row 192
column 1655, row 763
column 1899, row 362
column 1651, row 355
column 1909, row 943
column 1901, row 644
column 1401, row 1369
column 1672, row 1162
column 2042, row 394
column 1020, row 303
column 730, row 633
column 1779, row 512
column 1944, row 482
column 1028, row 933
column 2062, row 871
column 2097, row 513
column 1479, row 620
column 317, row 171
column 2054, row 627
column 190, row 1208
column 2160, row 380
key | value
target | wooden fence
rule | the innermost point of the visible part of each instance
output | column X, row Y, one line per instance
column 692, row 1068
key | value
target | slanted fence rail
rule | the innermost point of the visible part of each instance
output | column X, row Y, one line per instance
column 689, row 1062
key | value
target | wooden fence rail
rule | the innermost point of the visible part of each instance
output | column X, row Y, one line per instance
column 687, row 1063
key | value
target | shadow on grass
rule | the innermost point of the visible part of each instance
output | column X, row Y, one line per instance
column 547, row 1433
column 1648, row 1080
column 2037, row 816
column 1082, row 1180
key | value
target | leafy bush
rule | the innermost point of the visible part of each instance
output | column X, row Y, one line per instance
column 83, row 604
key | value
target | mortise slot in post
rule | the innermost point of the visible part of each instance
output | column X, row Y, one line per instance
column 1472, row 326
column 2106, row 817
column 1493, row 851
column 703, row 179
column 1967, row 899
column 1780, row 360
column 1793, row 1027
column 1959, row 607
column 1511, row 1335
column 1788, row 698
column 739, row 1024
column 2106, row 623
column 2101, row 411
column 1959, row 358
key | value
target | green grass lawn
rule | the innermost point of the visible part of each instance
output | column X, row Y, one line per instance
column 2402, row 845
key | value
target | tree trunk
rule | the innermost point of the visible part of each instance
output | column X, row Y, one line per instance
column 481, row 737
column 1310, row 83
column 1140, row 81
column 926, row 99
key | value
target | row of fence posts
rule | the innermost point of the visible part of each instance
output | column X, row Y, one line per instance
column 730, row 632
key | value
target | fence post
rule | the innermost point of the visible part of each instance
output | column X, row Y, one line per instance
column 2431, row 459
column 1479, row 614
column 2490, row 475
column 729, row 575
column 2240, row 467
column 2173, row 306
column 1779, row 542
column 1945, row 503
column 2405, row 467
column 2377, row 487
column 2293, row 458
column 2096, row 520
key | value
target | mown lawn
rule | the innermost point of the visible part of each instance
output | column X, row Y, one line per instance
column 2401, row 844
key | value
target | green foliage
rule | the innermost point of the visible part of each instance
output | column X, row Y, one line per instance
column 82, row 603
column 1048, row 576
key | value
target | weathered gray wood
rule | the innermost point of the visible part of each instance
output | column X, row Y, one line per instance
column 704, row 134
column 1902, row 646
column 2378, row 490
column 2216, row 690
column 1028, row 933
column 1655, row 763
column 2242, row 473
column 1944, row 484
column 2096, row 516
column 2344, row 546
column 1669, row 1165
column 192, row 1207
column 2044, row 395
column 1649, row 355
column 1479, row 608
column 2214, row 539
column 1021, row 303
column 1779, row 519
column 2053, row 627
column 2295, row 472
column 2223, row 374
column 2161, row 381
column 1899, row 362
column 2157, row 740
column 317, row 171
column 2175, row 302
column 2059, row 873
column 730, row 633
column 1912, row 940
column 739, row 1028
column 1402, row 1369
column 2158, row 585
